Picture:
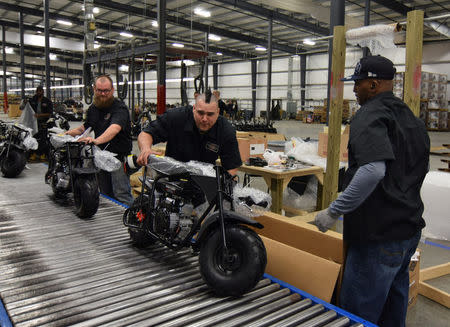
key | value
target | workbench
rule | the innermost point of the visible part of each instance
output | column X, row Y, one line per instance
column 278, row 179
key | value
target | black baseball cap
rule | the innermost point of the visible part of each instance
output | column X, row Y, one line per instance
column 377, row 67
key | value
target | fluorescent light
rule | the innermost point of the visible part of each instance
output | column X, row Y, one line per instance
column 96, row 45
column 219, row 53
column 52, row 56
column 154, row 23
column 202, row 12
column 187, row 62
column 96, row 10
column 9, row 50
column 309, row 42
column 64, row 22
column 214, row 37
column 178, row 45
column 123, row 68
column 126, row 34
column 260, row 48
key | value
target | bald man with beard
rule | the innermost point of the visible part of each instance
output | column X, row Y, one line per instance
column 110, row 120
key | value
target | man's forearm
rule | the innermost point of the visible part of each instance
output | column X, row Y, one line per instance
column 109, row 134
column 76, row 131
column 145, row 141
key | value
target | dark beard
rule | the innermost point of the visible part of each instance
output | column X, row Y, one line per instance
column 103, row 104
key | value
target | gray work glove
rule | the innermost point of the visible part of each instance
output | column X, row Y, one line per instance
column 325, row 219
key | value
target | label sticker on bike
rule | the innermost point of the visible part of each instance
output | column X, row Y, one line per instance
column 212, row 147
column 107, row 116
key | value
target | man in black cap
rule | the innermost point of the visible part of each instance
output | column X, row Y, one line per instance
column 388, row 154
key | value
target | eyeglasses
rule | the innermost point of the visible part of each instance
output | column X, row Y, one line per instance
column 106, row 91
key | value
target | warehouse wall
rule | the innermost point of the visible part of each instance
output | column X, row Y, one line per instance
column 234, row 79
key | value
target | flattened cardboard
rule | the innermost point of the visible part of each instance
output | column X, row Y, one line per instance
column 301, row 235
column 251, row 147
column 310, row 273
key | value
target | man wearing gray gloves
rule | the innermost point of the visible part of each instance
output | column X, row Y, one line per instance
column 388, row 160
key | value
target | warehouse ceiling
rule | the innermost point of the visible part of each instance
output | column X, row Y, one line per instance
column 235, row 28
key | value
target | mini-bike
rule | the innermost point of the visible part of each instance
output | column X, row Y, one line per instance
column 232, row 256
column 13, row 153
column 71, row 169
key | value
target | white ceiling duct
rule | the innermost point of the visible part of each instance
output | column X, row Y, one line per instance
column 438, row 27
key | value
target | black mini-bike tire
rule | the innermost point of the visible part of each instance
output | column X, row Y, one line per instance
column 249, row 248
column 139, row 238
column 14, row 163
column 86, row 196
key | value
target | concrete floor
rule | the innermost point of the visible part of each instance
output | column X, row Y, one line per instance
column 425, row 312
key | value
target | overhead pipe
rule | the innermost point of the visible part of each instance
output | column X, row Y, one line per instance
column 366, row 51
column 206, row 59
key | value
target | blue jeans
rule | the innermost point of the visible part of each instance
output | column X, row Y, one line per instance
column 116, row 185
column 376, row 280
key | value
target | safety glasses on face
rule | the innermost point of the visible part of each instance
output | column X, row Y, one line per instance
column 105, row 91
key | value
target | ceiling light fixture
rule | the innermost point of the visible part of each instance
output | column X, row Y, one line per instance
column 219, row 53
column 178, row 45
column 309, row 42
column 260, row 48
column 154, row 23
column 214, row 37
column 202, row 12
column 123, row 68
column 64, row 22
column 9, row 50
column 52, row 56
column 96, row 10
column 126, row 34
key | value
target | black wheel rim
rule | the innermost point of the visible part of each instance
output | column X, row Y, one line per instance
column 227, row 261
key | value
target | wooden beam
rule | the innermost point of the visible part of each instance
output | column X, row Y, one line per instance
column 435, row 271
column 413, row 70
column 335, row 117
column 434, row 294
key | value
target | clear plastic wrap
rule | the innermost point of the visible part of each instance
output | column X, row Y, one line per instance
column 250, row 202
column 307, row 201
column 306, row 152
column 59, row 140
column 30, row 143
column 27, row 119
column 206, row 168
column 273, row 157
column 106, row 160
column 169, row 166
column 375, row 37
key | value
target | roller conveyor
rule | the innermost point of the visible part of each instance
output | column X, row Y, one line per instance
column 59, row 270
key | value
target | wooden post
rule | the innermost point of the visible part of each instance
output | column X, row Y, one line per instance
column 413, row 69
column 335, row 117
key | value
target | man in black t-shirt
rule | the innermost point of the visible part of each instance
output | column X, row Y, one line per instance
column 110, row 120
column 197, row 133
column 43, row 108
column 388, row 160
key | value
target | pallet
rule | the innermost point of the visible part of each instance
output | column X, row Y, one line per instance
column 432, row 292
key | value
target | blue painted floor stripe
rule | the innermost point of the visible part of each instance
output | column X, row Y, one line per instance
column 339, row 311
column 442, row 246
column 4, row 318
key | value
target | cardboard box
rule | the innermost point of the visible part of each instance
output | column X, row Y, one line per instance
column 251, row 147
column 343, row 151
column 14, row 111
column 414, row 274
column 299, row 254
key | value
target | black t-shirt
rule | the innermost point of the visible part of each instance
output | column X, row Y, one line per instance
column 222, row 107
column 46, row 107
column 385, row 129
column 101, row 119
column 185, row 142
